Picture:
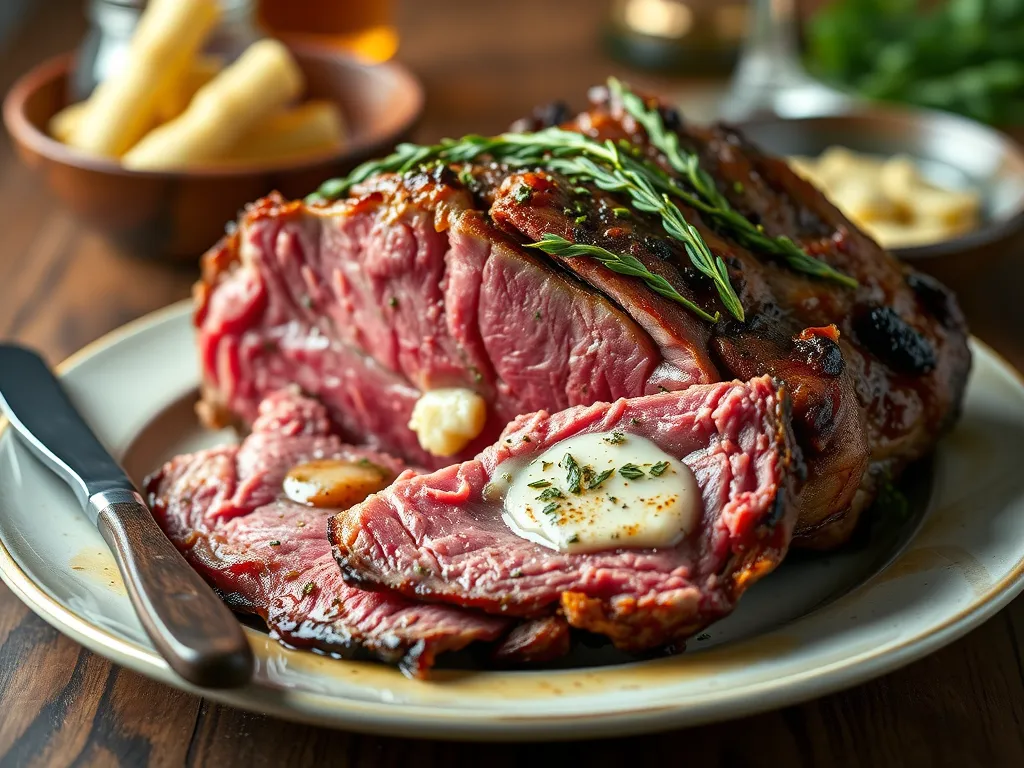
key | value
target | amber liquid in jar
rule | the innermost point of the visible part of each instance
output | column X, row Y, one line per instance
column 363, row 27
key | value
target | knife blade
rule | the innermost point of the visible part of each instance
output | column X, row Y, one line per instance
column 189, row 625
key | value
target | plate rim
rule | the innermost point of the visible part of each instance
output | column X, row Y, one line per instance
column 399, row 719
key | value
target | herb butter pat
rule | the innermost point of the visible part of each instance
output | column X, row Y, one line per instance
column 601, row 491
column 447, row 420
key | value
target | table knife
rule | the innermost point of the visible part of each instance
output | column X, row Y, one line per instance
column 189, row 625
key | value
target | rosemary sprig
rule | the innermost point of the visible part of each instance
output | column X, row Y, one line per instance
column 623, row 264
column 576, row 156
column 626, row 177
column 712, row 202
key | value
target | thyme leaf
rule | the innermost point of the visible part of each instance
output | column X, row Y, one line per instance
column 657, row 470
column 596, row 481
column 573, row 474
column 631, row 471
column 550, row 493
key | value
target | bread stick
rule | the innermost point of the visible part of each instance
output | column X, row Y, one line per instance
column 262, row 81
column 303, row 131
column 63, row 124
column 125, row 106
column 200, row 71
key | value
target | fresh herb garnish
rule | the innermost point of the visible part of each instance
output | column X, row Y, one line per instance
column 658, row 469
column 621, row 213
column 573, row 475
column 706, row 197
column 506, row 476
column 621, row 263
column 308, row 588
column 631, row 471
column 275, row 543
column 550, row 493
column 609, row 167
column 538, row 484
column 599, row 478
column 393, row 302
column 522, row 193
column 573, row 539
column 615, row 438
column 550, row 509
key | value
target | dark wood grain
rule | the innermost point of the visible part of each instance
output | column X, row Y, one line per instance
column 61, row 287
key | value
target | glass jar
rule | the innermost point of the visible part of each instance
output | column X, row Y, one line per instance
column 112, row 22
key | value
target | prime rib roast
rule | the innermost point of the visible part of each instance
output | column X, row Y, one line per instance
column 268, row 555
column 422, row 280
column 441, row 537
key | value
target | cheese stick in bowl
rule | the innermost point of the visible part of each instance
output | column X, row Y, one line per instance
column 261, row 82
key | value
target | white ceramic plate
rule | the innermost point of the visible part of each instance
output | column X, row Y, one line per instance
column 817, row 624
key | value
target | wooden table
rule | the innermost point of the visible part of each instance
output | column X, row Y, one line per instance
column 486, row 63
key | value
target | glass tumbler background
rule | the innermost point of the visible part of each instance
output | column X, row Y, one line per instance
column 363, row 27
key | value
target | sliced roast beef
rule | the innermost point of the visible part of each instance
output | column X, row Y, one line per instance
column 421, row 280
column 269, row 555
column 443, row 537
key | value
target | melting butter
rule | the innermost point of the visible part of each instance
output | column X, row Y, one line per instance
column 601, row 491
column 334, row 482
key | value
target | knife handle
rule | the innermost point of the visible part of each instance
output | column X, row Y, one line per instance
column 192, row 629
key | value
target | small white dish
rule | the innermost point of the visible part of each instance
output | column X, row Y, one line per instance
column 818, row 624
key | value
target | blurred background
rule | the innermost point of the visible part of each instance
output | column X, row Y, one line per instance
column 930, row 92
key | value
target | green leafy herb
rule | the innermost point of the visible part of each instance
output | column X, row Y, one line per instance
column 623, row 264
column 599, row 478
column 657, row 470
column 275, row 543
column 710, row 201
column 631, row 471
column 538, row 484
column 963, row 56
column 522, row 193
column 308, row 588
column 550, row 509
column 610, row 167
column 615, row 438
column 550, row 493
column 393, row 302
column 573, row 475
column 621, row 213
column 573, row 539
column 579, row 220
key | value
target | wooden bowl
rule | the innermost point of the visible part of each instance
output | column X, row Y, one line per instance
column 179, row 214
column 949, row 149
